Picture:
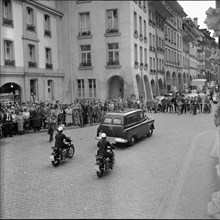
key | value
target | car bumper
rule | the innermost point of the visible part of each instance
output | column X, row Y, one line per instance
column 114, row 139
column 121, row 140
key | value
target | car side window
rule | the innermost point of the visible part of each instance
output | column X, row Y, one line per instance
column 107, row 121
column 117, row 121
column 141, row 115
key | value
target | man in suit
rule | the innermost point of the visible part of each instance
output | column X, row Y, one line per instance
column 7, row 122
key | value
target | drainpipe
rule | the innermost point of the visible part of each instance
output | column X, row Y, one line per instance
column 156, row 75
column 70, row 50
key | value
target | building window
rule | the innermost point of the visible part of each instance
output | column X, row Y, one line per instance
column 8, row 53
column 33, row 89
column 135, row 21
column 140, row 26
column 47, row 29
column 145, row 57
column 50, row 89
column 92, row 88
column 112, row 21
column 84, row 24
column 145, row 29
column 135, row 54
column 150, row 36
column 7, row 12
column 141, row 56
column 151, row 63
column 30, row 19
column 32, row 56
column 113, row 54
column 154, row 43
column 48, row 53
column 85, row 55
column 81, row 88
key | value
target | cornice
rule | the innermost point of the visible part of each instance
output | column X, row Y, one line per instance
column 44, row 7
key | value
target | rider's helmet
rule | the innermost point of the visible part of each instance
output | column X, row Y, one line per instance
column 60, row 129
column 103, row 135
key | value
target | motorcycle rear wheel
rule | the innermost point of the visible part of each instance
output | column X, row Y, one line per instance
column 99, row 173
column 56, row 162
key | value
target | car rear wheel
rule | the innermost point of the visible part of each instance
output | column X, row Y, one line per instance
column 132, row 141
column 150, row 132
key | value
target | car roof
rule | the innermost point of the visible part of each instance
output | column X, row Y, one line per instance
column 126, row 111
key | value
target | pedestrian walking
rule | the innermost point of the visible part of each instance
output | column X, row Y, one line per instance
column 52, row 124
column 7, row 123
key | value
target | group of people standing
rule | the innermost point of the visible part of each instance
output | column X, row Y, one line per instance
column 18, row 118
column 180, row 104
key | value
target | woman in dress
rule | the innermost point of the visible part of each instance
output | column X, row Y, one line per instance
column 20, row 122
column 69, row 117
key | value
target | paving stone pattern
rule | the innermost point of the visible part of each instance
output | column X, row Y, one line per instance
column 32, row 188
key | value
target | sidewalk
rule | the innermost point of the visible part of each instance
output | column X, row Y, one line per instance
column 196, row 181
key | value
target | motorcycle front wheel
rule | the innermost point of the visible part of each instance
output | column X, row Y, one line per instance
column 56, row 162
column 71, row 151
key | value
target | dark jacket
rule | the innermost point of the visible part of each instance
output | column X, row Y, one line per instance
column 102, row 145
column 60, row 137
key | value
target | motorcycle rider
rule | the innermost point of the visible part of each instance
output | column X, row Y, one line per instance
column 102, row 144
column 59, row 139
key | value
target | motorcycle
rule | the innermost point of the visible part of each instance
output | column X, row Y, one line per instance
column 103, row 164
column 60, row 154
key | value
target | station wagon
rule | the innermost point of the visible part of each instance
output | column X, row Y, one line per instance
column 126, row 126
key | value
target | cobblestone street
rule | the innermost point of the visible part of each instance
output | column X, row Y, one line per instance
column 143, row 184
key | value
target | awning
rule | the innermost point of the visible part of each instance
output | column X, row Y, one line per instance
column 161, row 8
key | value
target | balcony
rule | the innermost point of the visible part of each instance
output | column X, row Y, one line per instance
column 32, row 64
column 7, row 21
column 30, row 27
column 113, row 64
column 136, row 34
column 152, row 48
column 141, row 37
column 49, row 66
column 84, row 33
column 85, row 64
column 140, row 4
column 112, row 30
column 47, row 33
column 9, row 63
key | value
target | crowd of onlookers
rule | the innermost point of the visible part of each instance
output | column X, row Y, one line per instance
column 29, row 116
column 180, row 104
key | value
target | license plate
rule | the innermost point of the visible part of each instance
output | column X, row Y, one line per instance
column 96, row 168
column 51, row 157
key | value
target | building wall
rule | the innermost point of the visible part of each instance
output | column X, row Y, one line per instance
column 21, row 74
